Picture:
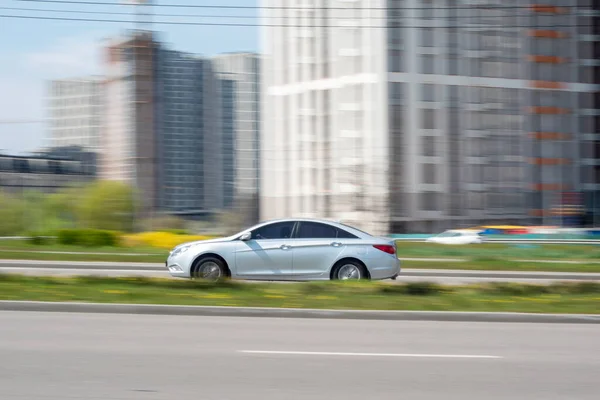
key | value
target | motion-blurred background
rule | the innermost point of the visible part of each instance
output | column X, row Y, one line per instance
column 397, row 116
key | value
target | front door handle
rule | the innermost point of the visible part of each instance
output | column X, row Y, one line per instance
column 336, row 244
column 284, row 247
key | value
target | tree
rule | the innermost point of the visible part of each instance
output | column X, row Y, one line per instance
column 61, row 208
column 11, row 215
column 106, row 205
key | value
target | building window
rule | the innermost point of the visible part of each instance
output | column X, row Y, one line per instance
column 429, row 201
column 395, row 61
column 396, row 94
column 429, row 173
column 427, row 37
column 428, row 118
column 429, row 146
column 428, row 92
column 427, row 64
column 427, row 9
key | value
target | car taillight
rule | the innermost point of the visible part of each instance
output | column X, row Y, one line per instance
column 386, row 248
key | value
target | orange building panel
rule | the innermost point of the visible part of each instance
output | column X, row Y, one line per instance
column 549, row 161
column 549, row 186
column 548, row 110
column 540, row 8
column 547, row 85
column 547, row 59
column 550, row 136
column 546, row 33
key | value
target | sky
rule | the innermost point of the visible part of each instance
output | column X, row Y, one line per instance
column 34, row 51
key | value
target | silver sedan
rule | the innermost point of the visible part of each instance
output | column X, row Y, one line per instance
column 291, row 249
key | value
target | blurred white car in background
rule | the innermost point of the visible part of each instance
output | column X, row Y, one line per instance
column 457, row 237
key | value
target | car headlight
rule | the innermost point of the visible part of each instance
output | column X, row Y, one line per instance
column 180, row 250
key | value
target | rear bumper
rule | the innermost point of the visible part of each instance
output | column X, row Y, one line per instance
column 386, row 270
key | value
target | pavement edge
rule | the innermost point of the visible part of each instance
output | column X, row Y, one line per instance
column 150, row 309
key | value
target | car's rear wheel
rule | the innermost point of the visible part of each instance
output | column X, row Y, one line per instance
column 210, row 269
column 349, row 270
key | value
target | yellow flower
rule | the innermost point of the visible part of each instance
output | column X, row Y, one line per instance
column 216, row 296
column 116, row 291
column 161, row 240
column 325, row 298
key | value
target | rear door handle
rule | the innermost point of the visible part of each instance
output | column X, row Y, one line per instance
column 284, row 247
column 336, row 244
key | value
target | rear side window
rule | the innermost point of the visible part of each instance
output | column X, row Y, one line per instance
column 342, row 234
column 315, row 230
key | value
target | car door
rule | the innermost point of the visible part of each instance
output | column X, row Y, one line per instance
column 316, row 248
column 268, row 254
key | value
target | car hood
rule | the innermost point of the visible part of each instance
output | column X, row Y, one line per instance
column 208, row 241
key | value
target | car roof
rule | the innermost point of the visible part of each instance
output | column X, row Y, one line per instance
column 339, row 225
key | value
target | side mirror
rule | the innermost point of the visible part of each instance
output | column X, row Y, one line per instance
column 246, row 236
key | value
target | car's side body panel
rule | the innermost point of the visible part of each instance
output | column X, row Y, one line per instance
column 290, row 258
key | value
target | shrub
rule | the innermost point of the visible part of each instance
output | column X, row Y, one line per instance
column 176, row 231
column 88, row 237
column 38, row 239
column 514, row 289
column 161, row 240
column 162, row 223
column 68, row 237
column 416, row 289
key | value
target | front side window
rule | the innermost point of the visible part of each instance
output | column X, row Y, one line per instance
column 278, row 230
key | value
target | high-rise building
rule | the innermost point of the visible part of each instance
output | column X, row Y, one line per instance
column 173, row 120
column 418, row 115
column 129, row 137
column 239, row 75
column 75, row 112
column 180, row 119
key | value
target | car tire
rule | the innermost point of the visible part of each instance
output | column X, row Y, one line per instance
column 349, row 270
column 209, row 269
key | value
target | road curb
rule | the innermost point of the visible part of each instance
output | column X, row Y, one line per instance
column 149, row 309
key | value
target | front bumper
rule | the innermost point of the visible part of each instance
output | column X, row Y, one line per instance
column 178, row 266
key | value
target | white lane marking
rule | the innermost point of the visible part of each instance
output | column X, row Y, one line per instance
column 328, row 353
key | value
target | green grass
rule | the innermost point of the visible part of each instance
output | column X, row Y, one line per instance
column 503, row 265
column 484, row 257
column 501, row 251
column 557, row 298
column 23, row 250
column 25, row 245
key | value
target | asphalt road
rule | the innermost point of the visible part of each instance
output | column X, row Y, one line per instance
column 81, row 356
column 69, row 268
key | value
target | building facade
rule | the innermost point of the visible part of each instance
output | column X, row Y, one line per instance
column 173, row 120
column 416, row 116
column 87, row 159
column 129, row 137
column 179, row 113
column 75, row 112
column 19, row 174
column 239, row 80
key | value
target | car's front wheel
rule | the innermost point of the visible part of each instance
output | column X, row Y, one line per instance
column 210, row 269
column 349, row 270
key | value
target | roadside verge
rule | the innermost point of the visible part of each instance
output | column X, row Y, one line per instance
column 148, row 309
